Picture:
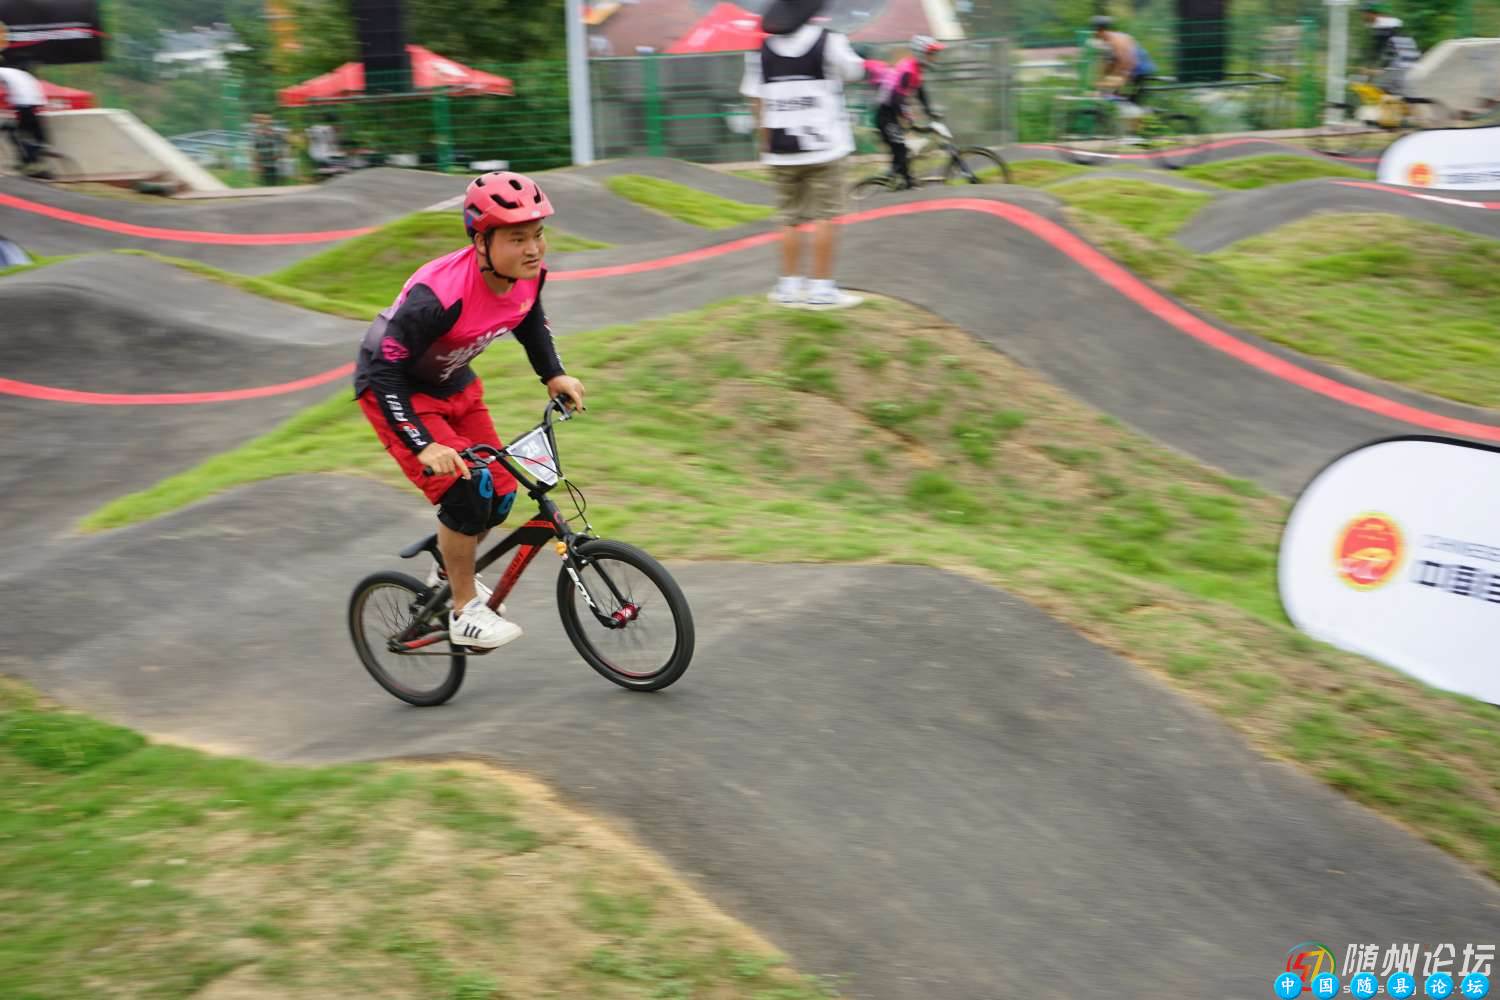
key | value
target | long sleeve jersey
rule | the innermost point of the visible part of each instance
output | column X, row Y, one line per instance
column 443, row 318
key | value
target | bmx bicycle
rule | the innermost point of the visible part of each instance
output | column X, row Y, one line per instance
column 941, row 161
column 1091, row 129
column 58, row 166
column 620, row 608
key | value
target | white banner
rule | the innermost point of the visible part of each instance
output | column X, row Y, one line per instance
column 1393, row 551
column 1454, row 159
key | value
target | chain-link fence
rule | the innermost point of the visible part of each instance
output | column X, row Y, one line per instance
column 1249, row 72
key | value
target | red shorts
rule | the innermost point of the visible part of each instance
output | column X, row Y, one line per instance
column 457, row 421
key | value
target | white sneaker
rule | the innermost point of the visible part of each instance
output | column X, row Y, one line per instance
column 788, row 292
column 831, row 297
column 481, row 628
column 437, row 576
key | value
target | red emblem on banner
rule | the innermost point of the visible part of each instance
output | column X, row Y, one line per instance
column 1419, row 175
column 1369, row 551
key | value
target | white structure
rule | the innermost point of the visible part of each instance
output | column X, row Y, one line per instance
column 109, row 142
column 1462, row 73
column 202, row 50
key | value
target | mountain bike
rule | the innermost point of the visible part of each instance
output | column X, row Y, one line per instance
column 940, row 161
column 620, row 608
column 1092, row 129
column 57, row 166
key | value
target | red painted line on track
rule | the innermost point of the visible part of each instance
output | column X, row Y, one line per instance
column 32, row 391
column 181, row 235
column 1425, row 196
column 1061, row 239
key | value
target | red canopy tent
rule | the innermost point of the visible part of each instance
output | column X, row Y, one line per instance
column 428, row 70
column 60, row 98
column 726, row 28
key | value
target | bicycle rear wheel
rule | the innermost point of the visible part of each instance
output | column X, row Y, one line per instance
column 1087, row 136
column 384, row 606
column 870, row 187
column 977, row 165
column 633, row 625
column 1175, row 137
column 1347, row 138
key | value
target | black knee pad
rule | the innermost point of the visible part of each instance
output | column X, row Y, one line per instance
column 470, row 506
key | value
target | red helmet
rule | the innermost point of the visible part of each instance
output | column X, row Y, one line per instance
column 503, row 198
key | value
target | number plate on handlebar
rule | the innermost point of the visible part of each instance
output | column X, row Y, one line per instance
column 534, row 454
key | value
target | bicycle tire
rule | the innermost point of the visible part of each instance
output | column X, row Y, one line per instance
column 63, row 167
column 869, row 187
column 1084, row 125
column 1345, row 139
column 359, row 600
column 985, row 165
column 1179, row 134
column 595, row 553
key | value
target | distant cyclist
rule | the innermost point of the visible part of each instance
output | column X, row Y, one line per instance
column 1127, row 66
column 23, row 92
column 1390, row 53
column 414, row 384
column 897, row 85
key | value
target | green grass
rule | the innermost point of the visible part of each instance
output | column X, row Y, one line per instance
column 371, row 269
column 696, row 208
column 1153, row 210
column 1038, row 173
column 1260, row 171
column 1406, row 301
column 746, row 432
column 160, row 871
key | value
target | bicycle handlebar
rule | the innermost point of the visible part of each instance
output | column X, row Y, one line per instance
column 472, row 455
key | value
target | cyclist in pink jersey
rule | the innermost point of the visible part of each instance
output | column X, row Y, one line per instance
column 897, row 84
column 413, row 381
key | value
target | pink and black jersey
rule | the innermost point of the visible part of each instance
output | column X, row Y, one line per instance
column 899, row 82
column 443, row 318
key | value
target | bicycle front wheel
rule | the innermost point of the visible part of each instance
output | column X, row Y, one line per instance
column 383, row 606
column 1347, row 138
column 626, row 616
column 977, row 165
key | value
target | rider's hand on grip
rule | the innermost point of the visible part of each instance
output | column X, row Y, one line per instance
column 442, row 460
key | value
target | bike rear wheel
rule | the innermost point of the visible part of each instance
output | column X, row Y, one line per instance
column 1088, row 136
column 649, row 643
column 1175, row 137
column 870, row 186
column 1348, row 138
column 383, row 606
column 977, row 165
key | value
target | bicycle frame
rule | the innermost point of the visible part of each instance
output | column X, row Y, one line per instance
column 548, row 525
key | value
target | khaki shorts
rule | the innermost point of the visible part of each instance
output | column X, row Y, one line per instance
column 810, row 192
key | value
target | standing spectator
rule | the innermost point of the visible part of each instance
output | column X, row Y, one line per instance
column 24, row 94
column 796, row 86
column 266, row 138
column 323, row 147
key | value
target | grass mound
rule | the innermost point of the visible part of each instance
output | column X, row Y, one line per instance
column 747, row 432
column 369, row 270
column 686, row 204
column 1261, row 171
column 136, row 869
column 1406, row 301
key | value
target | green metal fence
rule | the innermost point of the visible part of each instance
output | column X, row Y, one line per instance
column 1259, row 73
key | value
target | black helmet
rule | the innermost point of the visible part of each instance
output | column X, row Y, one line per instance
column 1101, row 21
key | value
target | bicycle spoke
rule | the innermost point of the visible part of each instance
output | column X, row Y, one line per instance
column 642, row 646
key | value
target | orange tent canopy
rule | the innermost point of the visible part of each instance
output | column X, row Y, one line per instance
column 726, row 28
column 428, row 70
